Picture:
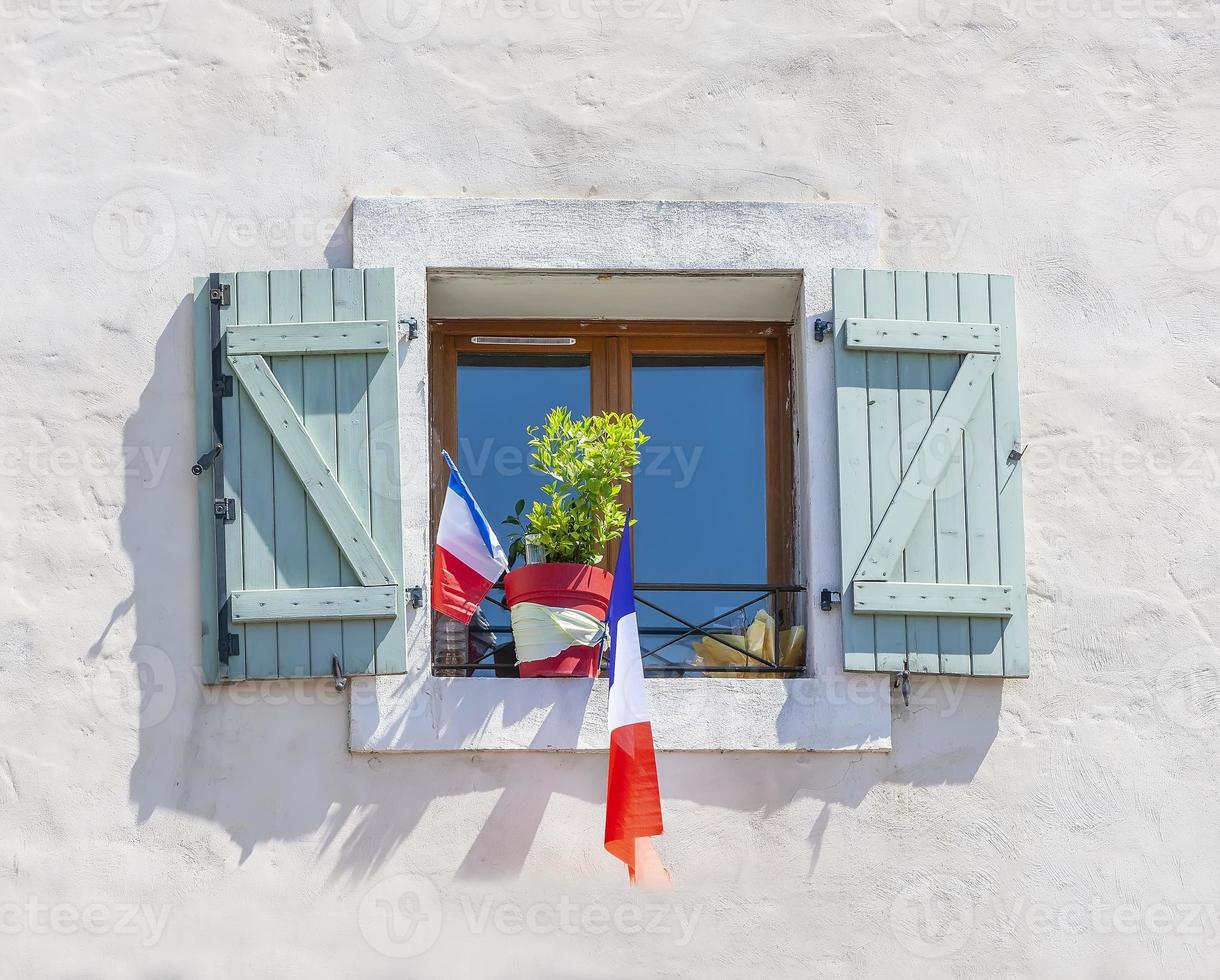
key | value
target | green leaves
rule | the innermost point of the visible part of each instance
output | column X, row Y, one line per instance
column 586, row 460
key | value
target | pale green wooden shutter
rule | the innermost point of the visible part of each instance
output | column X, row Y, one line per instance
column 300, row 519
column 930, row 473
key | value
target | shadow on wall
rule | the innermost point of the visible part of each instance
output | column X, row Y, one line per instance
column 268, row 761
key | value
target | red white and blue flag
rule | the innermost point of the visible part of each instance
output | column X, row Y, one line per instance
column 468, row 559
column 633, row 796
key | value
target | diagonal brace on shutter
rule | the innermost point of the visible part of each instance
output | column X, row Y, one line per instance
column 927, row 468
column 289, row 434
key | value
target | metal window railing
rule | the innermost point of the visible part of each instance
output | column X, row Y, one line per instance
column 485, row 649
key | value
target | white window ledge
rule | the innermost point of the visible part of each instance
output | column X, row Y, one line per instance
column 828, row 711
column 450, row 714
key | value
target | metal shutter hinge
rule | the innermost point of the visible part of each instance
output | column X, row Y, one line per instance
column 228, row 647
column 408, row 328
column 821, row 327
column 225, row 509
column 223, row 386
column 219, row 295
column 827, row 599
column 415, row 596
column 1015, row 454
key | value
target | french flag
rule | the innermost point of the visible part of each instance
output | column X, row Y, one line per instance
column 468, row 559
column 633, row 796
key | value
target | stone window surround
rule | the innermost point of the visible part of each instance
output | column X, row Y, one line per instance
column 828, row 711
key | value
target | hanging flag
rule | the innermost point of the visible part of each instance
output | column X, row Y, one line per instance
column 633, row 796
column 468, row 559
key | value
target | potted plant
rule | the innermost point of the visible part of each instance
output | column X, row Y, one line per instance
column 565, row 596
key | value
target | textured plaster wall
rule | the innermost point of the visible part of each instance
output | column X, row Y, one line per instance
column 1061, row 826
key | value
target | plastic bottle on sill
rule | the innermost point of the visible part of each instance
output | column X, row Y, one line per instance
column 450, row 642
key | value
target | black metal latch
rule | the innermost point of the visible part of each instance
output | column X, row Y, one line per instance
column 1015, row 454
column 827, row 599
column 415, row 596
column 219, row 295
column 205, row 461
column 821, row 327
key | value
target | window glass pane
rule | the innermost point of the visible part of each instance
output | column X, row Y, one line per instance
column 498, row 395
column 700, row 491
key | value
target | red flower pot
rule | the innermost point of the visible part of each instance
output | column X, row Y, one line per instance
column 565, row 586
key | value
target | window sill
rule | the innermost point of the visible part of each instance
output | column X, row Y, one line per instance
column 415, row 713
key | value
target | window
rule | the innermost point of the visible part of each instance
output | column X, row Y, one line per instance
column 713, row 493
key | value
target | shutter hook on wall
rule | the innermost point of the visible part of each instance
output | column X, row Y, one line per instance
column 207, row 459
column 336, row 669
column 905, row 680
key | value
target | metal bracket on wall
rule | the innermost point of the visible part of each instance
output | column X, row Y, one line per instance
column 408, row 329
column 821, row 327
column 903, row 680
column 828, row 599
column 415, row 596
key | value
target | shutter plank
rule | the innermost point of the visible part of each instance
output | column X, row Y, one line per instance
column 915, row 411
column 855, row 521
column 352, row 420
column 291, row 542
column 885, row 456
column 257, row 509
column 949, row 499
column 982, row 522
column 318, row 377
column 919, row 600
column 385, row 508
column 288, row 605
column 919, row 335
column 1011, row 507
column 292, row 337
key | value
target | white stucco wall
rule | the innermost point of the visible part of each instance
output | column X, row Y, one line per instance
column 1061, row 825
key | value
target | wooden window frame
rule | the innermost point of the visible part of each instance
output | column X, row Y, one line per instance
column 610, row 345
